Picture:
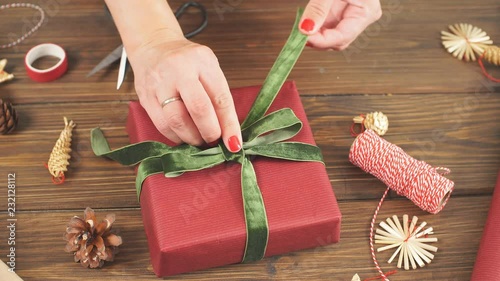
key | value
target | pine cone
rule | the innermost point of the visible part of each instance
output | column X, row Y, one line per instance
column 375, row 121
column 8, row 117
column 378, row 122
column 90, row 242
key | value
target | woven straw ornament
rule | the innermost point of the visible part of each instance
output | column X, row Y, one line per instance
column 408, row 239
column 465, row 41
column 59, row 158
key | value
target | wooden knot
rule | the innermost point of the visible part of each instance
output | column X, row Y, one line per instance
column 376, row 121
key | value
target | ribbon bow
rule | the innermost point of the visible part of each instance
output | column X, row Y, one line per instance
column 262, row 136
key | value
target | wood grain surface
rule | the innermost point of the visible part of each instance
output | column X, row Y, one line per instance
column 441, row 110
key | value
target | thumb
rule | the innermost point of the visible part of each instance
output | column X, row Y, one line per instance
column 314, row 16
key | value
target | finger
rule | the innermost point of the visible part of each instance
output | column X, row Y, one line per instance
column 339, row 37
column 217, row 88
column 202, row 111
column 355, row 18
column 368, row 9
column 314, row 16
column 177, row 117
column 156, row 115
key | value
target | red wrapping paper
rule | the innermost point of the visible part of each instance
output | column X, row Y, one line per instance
column 487, row 266
column 196, row 221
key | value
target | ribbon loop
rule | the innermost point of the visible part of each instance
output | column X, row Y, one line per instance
column 295, row 151
column 175, row 164
column 281, row 125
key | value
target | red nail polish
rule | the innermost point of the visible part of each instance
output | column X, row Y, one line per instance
column 308, row 44
column 307, row 25
column 234, row 144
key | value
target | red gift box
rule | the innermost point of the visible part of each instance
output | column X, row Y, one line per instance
column 196, row 221
column 487, row 266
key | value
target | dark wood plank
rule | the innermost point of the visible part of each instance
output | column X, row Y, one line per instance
column 40, row 248
column 461, row 134
column 400, row 54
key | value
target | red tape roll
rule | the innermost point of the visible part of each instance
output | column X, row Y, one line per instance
column 49, row 74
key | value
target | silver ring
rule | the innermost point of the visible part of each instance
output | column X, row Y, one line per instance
column 169, row 100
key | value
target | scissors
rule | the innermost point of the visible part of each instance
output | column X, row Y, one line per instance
column 120, row 53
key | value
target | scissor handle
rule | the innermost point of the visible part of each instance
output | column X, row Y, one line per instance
column 181, row 10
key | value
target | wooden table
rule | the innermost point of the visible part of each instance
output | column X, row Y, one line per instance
column 441, row 110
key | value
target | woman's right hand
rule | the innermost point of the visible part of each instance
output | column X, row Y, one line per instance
column 165, row 68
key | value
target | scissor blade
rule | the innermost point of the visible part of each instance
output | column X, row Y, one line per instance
column 121, row 71
column 109, row 59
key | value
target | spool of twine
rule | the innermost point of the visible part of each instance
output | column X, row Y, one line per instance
column 418, row 181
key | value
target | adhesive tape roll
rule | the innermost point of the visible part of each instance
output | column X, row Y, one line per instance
column 49, row 74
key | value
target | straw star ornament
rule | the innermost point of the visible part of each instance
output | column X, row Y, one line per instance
column 465, row 41
column 408, row 239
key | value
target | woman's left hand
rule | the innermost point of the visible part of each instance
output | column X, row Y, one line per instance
column 334, row 24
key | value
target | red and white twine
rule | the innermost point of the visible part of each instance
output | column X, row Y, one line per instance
column 24, row 36
column 409, row 177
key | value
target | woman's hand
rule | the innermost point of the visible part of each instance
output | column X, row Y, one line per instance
column 167, row 67
column 334, row 24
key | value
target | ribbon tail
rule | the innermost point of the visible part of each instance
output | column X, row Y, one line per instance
column 255, row 214
column 278, row 74
column 148, row 167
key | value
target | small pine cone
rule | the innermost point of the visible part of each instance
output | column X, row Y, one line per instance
column 375, row 121
column 492, row 55
column 90, row 242
column 8, row 117
column 378, row 122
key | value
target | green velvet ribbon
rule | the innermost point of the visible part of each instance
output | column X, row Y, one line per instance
column 262, row 136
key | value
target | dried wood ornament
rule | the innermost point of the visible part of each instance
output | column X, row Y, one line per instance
column 466, row 42
column 60, row 155
column 408, row 239
column 90, row 242
column 4, row 76
column 376, row 121
column 8, row 117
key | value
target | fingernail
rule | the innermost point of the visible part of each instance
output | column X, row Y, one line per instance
column 234, row 144
column 308, row 44
column 307, row 25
